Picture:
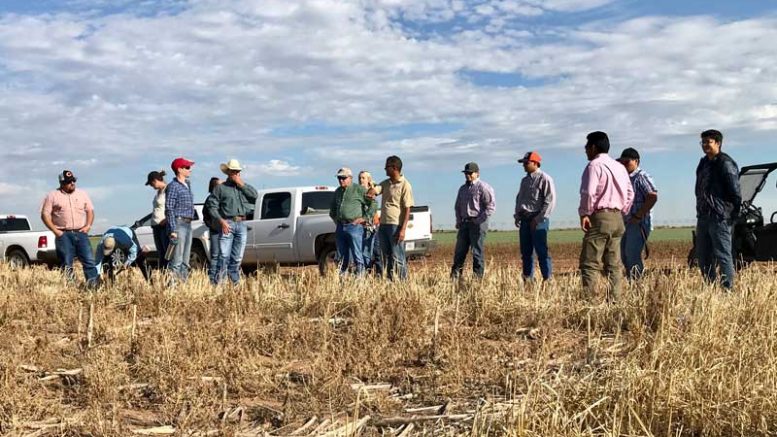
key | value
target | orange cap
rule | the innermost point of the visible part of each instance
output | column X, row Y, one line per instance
column 531, row 156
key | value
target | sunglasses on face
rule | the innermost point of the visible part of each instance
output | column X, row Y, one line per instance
column 342, row 178
column 186, row 168
column 468, row 173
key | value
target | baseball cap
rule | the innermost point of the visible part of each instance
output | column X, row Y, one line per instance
column 155, row 176
column 180, row 163
column 344, row 172
column 629, row 154
column 66, row 177
column 471, row 167
column 531, row 156
column 108, row 245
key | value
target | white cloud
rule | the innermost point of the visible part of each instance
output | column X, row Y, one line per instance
column 277, row 167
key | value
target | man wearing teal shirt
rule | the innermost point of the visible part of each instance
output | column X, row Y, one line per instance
column 348, row 211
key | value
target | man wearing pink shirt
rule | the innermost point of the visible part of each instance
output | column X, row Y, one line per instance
column 605, row 191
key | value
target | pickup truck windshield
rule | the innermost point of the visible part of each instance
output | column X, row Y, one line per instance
column 313, row 201
column 14, row 225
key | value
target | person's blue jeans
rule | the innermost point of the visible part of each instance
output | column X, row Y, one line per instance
column 232, row 246
column 368, row 246
column 535, row 240
column 179, row 265
column 215, row 250
column 394, row 261
column 161, row 241
column 633, row 242
column 72, row 245
column 713, row 249
column 349, row 238
column 470, row 235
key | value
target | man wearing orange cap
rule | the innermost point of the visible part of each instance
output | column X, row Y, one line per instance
column 179, row 212
column 534, row 203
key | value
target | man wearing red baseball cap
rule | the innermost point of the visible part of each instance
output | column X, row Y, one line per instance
column 179, row 212
column 534, row 202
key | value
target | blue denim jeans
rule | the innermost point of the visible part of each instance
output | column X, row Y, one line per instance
column 633, row 242
column 179, row 265
column 349, row 239
column 72, row 245
column 161, row 241
column 470, row 235
column 535, row 240
column 393, row 253
column 713, row 248
column 368, row 246
column 215, row 250
column 232, row 246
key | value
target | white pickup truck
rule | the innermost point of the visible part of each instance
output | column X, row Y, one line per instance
column 291, row 226
column 20, row 246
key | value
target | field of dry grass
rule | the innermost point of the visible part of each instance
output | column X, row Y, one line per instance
column 295, row 354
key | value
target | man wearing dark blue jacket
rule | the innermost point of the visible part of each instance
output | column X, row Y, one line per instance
column 123, row 239
column 718, row 199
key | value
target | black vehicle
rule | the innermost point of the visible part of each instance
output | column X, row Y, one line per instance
column 753, row 239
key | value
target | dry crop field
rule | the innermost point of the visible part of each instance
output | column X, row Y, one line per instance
column 294, row 354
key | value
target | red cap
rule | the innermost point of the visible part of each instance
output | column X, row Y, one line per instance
column 531, row 156
column 181, row 162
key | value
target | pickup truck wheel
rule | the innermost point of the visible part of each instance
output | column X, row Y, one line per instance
column 17, row 259
column 198, row 260
column 326, row 260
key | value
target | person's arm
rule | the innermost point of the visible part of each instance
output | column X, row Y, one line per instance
column 405, row 203
column 651, row 197
column 487, row 203
column 333, row 207
column 588, row 186
column 250, row 193
column 459, row 218
column 171, row 198
column 133, row 254
column 45, row 216
column 732, row 185
column 548, row 200
column 89, row 214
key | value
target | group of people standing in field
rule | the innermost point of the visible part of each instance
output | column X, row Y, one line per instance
column 616, row 202
column 615, row 210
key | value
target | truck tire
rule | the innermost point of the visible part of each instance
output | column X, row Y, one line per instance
column 17, row 259
column 326, row 260
column 198, row 260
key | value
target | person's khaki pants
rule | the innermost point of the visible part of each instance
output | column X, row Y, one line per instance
column 601, row 251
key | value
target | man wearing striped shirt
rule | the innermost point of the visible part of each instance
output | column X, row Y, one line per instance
column 179, row 212
column 605, row 191
column 474, row 205
column 534, row 203
column 639, row 219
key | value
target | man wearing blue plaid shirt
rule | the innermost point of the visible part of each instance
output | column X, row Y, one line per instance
column 179, row 212
column 638, row 219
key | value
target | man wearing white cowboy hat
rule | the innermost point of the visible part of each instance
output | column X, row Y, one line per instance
column 229, row 204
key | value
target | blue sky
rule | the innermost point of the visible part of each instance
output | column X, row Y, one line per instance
column 114, row 89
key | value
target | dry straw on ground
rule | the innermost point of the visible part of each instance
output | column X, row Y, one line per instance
column 295, row 354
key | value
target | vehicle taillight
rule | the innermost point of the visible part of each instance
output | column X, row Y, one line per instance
column 43, row 242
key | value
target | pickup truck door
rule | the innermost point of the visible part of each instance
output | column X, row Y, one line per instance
column 272, row 230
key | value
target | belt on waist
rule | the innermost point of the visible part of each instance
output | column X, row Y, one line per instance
column 184, row 219
column 69, row 230
column 237, row 218
column 469, row 219
column 607, row 210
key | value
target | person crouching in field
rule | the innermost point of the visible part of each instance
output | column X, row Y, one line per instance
column 156, row 180
column 396, row 201
column 69, row 214
column 348, row 210
column 179, row 212
column 214, row 227
column 718, row 200
column 124, row 240
column 639, row 218
column 230, row 204
column 534, row 203
column 605, row 192
column 475, row 203
column 370, row 246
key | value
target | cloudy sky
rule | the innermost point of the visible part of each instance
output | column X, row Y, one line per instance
column 296, row 89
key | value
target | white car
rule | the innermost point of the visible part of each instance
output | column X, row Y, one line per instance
column 291, row 226
column 20, row 246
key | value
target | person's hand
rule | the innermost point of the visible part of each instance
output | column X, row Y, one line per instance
column 371, row 193
column 534, row 224
column 401, row 236
column 85, row 229
column 236, row 179
column 376, row 220
column 358, row 221
column 225, row 229
column 58, row 233
column 585, row 223
column 173, row 235
column 457, row 226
